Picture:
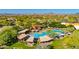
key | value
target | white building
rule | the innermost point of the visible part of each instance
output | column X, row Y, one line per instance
column 77, row 27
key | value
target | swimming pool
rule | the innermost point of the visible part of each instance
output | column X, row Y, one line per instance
column 51, row 31
column 43, row 34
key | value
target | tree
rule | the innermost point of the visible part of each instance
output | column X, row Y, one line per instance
column 70, row 28
column 8, row 35
column 57, row 24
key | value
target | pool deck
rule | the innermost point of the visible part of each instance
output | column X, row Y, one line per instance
column 45, row 40
column 42, row 39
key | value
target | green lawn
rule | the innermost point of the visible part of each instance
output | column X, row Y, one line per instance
column 68, row 42
column 20, row 45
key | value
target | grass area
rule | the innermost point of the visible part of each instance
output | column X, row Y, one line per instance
column 68, row 42
column 20, row 45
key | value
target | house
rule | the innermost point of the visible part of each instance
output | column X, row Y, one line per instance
column 23, row 34
column 36, row 27
column 76, row 25
column 63, row 23
column 23, row 31
column 11, row 19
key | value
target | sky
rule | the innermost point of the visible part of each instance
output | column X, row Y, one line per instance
column 39, row 11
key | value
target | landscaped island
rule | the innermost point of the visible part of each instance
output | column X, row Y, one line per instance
column 50, row 31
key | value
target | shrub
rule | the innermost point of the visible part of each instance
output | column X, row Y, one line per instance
column 8, row 35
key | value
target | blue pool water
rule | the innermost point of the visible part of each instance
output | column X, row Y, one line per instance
column 60, row 31
column 41, row 34
column 45, row 33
